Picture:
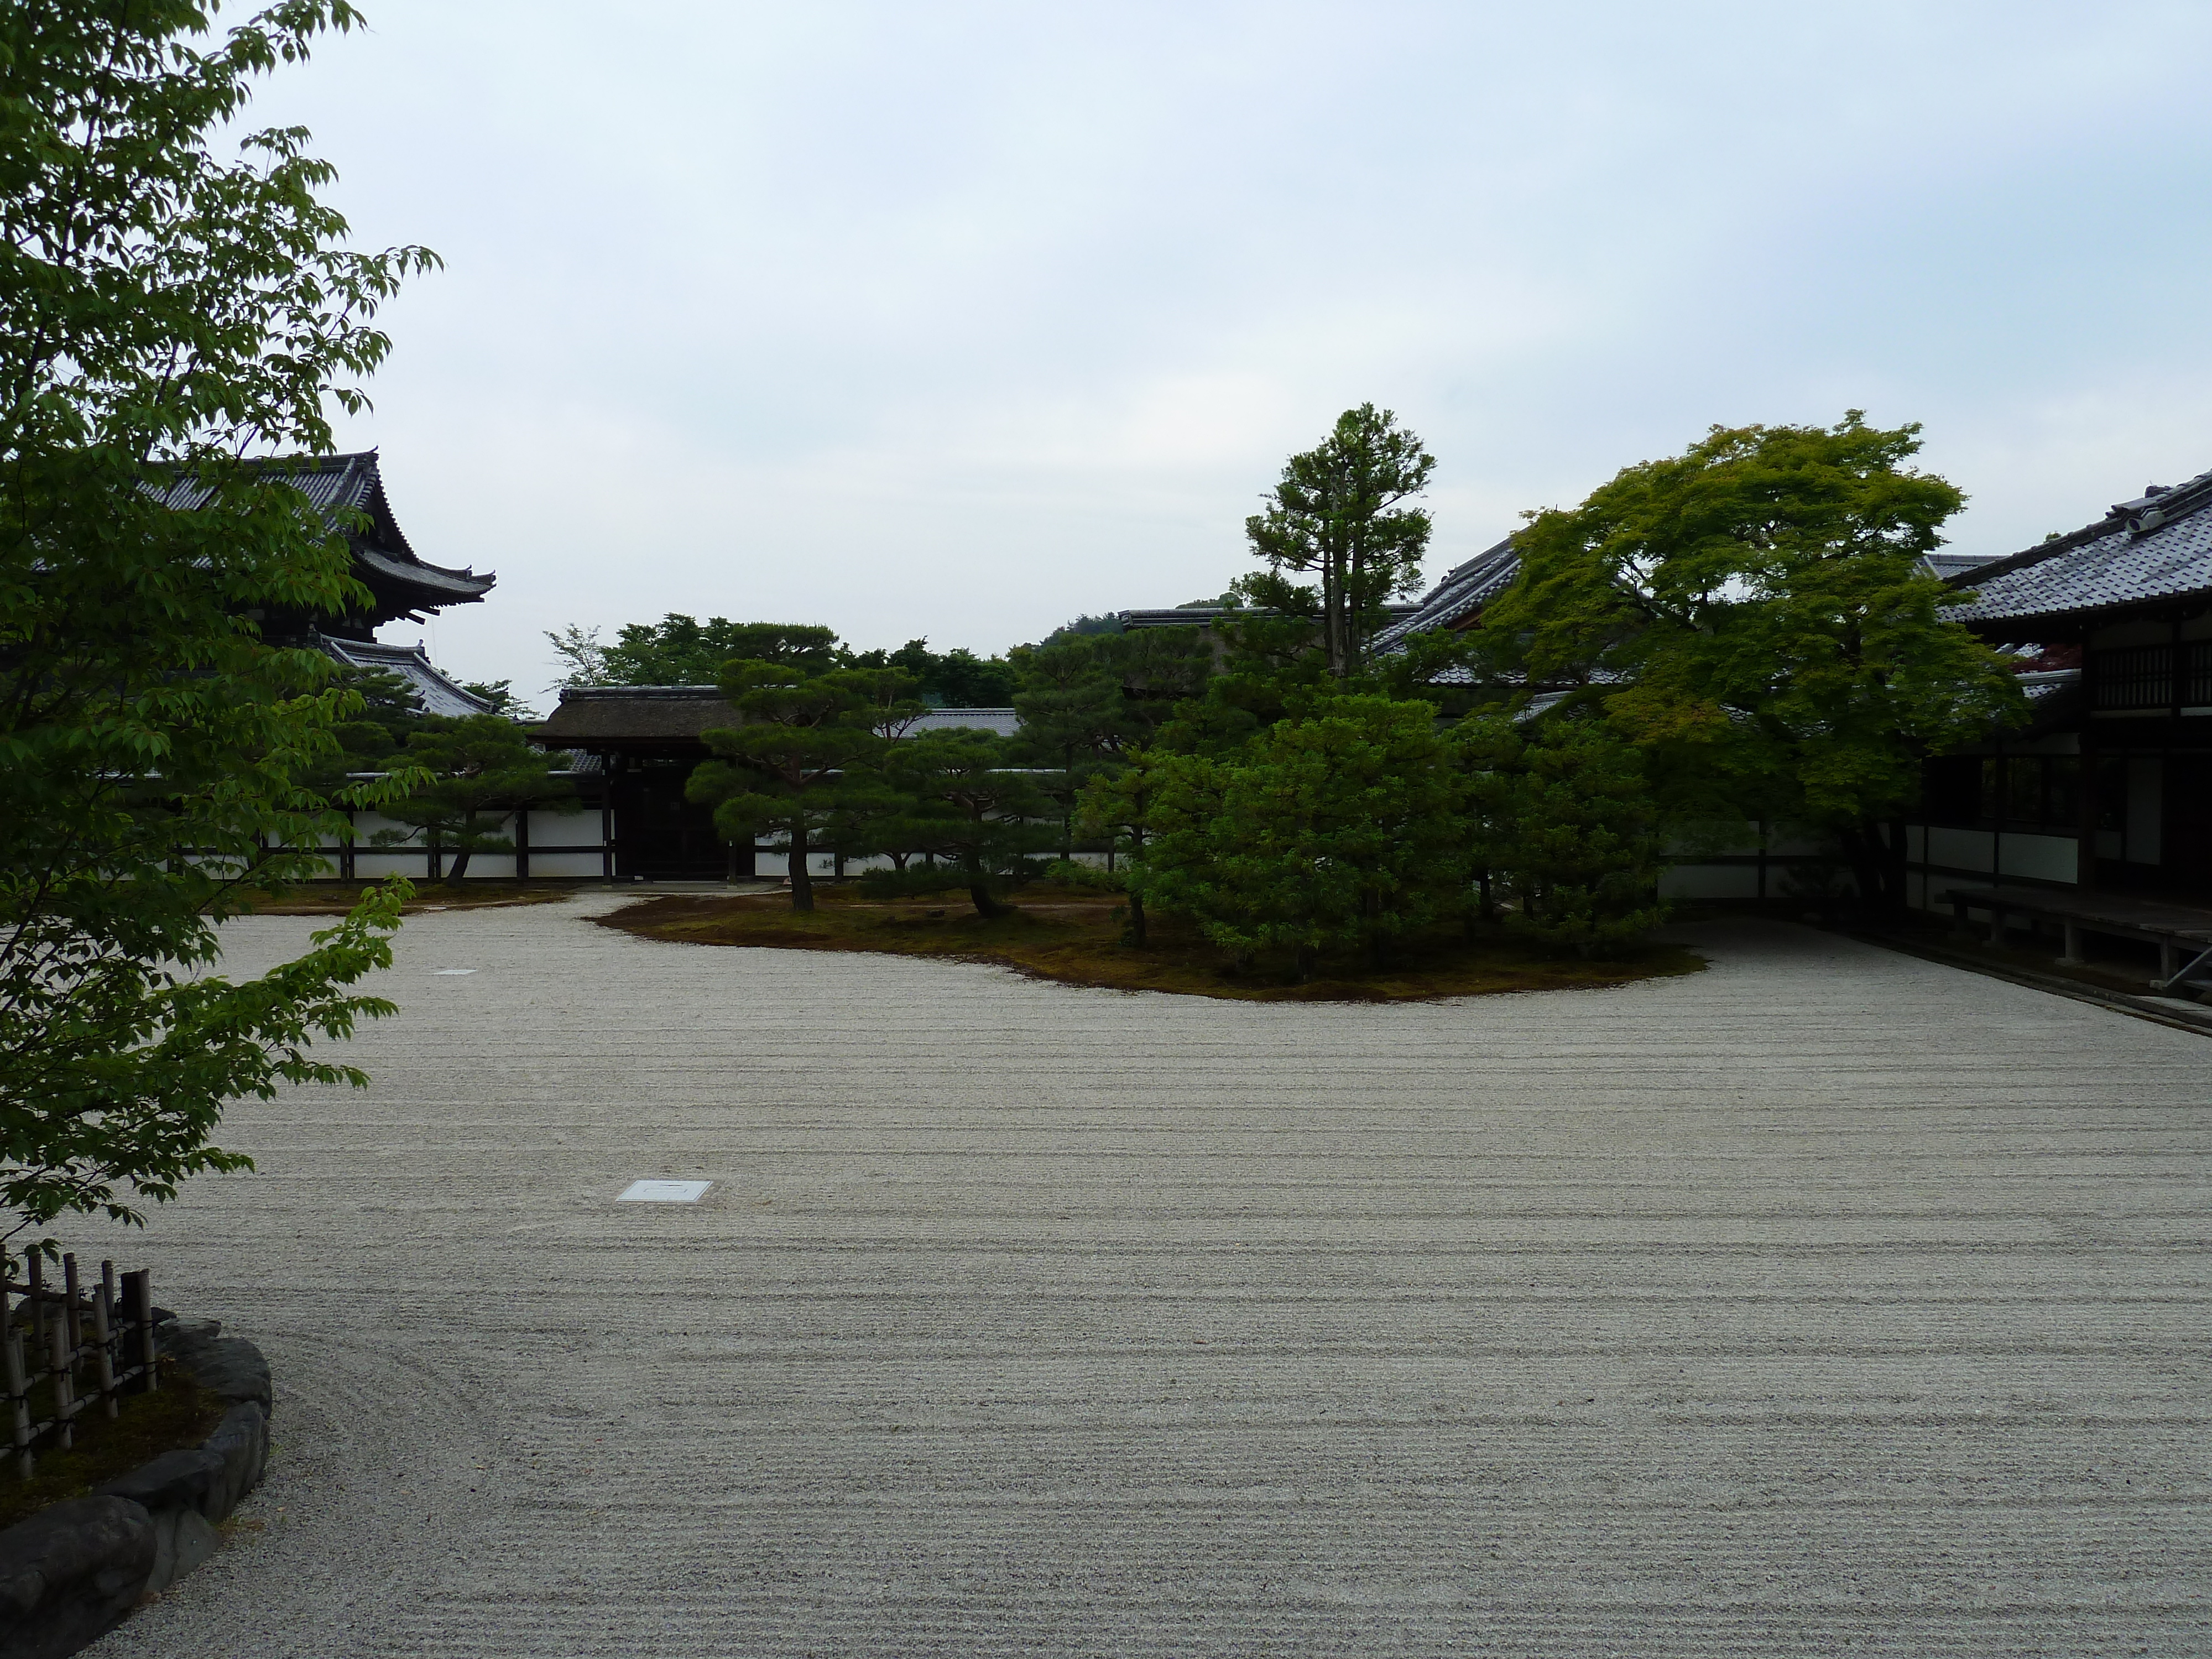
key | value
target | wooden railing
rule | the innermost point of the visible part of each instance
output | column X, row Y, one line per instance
column 82, row 1346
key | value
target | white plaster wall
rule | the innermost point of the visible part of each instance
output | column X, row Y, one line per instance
column 2040, row 858
column 1960, row 849
column 1731, row 881
column 586, row 865
column 563, row 829
column 374, row 864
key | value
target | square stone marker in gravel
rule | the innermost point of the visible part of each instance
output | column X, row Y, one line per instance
column 663, row 1192
column 1828, row 1301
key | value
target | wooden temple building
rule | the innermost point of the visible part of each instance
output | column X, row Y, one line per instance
column 402, row 587
column 2110, row 785
column 2100, row 807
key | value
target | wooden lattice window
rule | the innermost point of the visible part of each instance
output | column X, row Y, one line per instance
column 2197, row 675
column 2135, row 676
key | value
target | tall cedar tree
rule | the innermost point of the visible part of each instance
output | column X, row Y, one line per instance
column 1342, row 827
column 793, row 766
column 1335, row 515
column 964, row 803
column 167, row 310
column 1761, row 598
column 482, row 771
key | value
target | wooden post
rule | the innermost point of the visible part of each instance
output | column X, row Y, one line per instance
column 58, row 1360
column 37, row 1277
column 138, row 1291
column 19, row 1399
column 70, row 1321
column 522, row 843
column 103, row 1328
column 2072, row 956
column 1997, row 925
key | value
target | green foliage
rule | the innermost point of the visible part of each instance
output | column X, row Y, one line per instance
column 1759, row 600
column 479, row 768
column 1086, row 700
column 962, row 803
column 1564, row 820
column 583, row 659
column 1335, row 514
column 387, row 713
column 949, row 679
column 1342, row 826
column 499, row 695
column 166, row 310
column 1267, row 667
column 1108, row 623
column 1090, row 877
column 797, row 764
column 680, row 650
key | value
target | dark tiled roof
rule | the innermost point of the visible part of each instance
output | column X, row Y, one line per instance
column 432, row 690
column 2156, row 547
column 1183, row 616
column 1004, row 721
column 339, row 482
column 1464, row 591
column 1204, row 615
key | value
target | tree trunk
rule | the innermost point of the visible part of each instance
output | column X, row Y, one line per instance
column 1333, row 627
column 979, row 895
column 802, row 882
column 1307, row 957
column 1876, row 869
column 1137, row 919
column 460, row 866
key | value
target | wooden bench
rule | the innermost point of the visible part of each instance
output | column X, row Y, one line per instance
column 2183, row 934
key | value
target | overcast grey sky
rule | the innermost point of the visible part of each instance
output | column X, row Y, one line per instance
column 954, row 319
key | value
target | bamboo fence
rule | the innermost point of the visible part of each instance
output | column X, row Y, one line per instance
column 78, row 1346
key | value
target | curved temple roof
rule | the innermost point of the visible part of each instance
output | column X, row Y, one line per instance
column 436, row 693
column 404, row 584
column 1459, row 598
column 2154, row 548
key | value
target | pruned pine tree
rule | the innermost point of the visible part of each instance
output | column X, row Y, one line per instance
column 1118, row 807
column 1075, row 719
column 481, row 771
column 962, row 801
column 1565, row 822
column 1086, row 701
column 802, row 750
column 1341, row 828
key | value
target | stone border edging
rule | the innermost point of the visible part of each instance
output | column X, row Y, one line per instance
column 75, row 1569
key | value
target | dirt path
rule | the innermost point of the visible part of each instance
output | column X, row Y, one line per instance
column 1827, row 1301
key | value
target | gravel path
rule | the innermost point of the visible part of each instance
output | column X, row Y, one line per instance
column 1827, row 1301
